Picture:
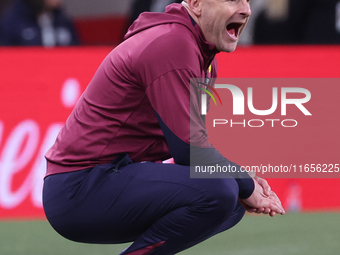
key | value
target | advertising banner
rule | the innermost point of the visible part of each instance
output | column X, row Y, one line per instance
column 289, row 120
column 38, row 89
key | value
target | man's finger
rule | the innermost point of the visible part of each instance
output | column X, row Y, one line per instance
column 272, row 214
column 273, row 194
column 273, row 206
column 264, row 184
column 275, row 200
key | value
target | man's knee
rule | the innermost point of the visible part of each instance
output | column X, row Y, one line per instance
column 222, row 195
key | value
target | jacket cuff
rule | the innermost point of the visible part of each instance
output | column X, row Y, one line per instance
column 246, row 187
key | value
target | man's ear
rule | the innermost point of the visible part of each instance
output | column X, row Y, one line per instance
column 195, row 6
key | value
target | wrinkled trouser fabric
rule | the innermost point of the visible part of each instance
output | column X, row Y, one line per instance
column 156, row 206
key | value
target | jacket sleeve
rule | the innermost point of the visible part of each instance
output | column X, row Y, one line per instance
column 176, row 104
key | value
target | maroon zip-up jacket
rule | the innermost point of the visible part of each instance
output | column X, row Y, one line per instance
column 141, row 86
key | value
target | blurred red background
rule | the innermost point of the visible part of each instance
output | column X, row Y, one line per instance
column 39, row 88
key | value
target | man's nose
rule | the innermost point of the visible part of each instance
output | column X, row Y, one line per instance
column 245, row 8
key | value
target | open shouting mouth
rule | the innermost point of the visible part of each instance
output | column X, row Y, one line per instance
column 234, row 30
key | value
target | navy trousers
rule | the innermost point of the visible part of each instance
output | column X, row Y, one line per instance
column 156, row 206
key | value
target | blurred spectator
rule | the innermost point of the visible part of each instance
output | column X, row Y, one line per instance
column 271, row 25
column 315, row 21
column 298, row 22
column 140, row 6
column 247, row 36
column 36, row 22
column 3, row 5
